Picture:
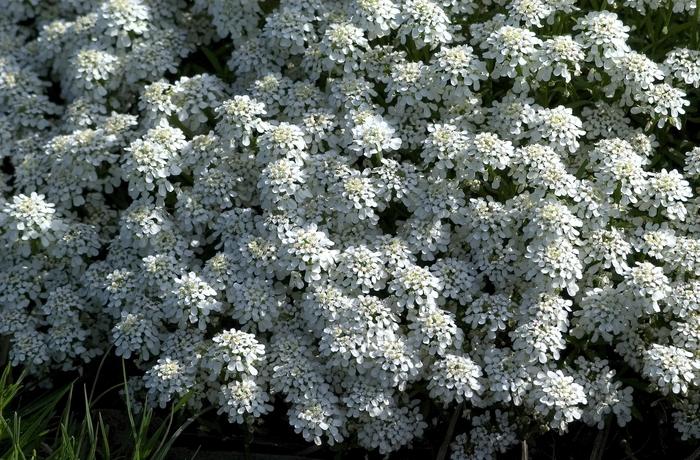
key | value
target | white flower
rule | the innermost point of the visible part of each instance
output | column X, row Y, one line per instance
column 308, row 249
column 314, row 419
column 557, row 263
column 377, row 17
column 167, row 379
column 234, row 353
column 435, row 331
column 683, row 64
column 358, row 198
column 512, row 49
column 410, row 84
column 672, row 369
column 281, row 185
column 118, row 18
column 29, row 348
column 607, row 249
column 355, row 91
column 255, row 301
column 686, row 419
column 559, row 127
column 237, row 18
column 666, row 189
column 343, row 44
column 559, row 56
column 362, row 268
column 426, row 23
column 601, row 316
column 510, row 116
column 374, row 136
column 396, row 361
column 193, row 299
column 490, row 312
column 444, row 143
column 366, row 398
column 30, row 217
column 151, row 160
column 92, row 71
column 240, row 118
column 684, row 298
column 283, row 140
column 489, row 436
column 390, row 434
column 551, row 219
column 195, row 96
column 459, row 66
column 242, row 399
column 692, row 162
column 663, row 104
column 415, row 285
column 136, row 334
column 529, row 12
column 558, row 397
column 604, row 121
column 363, row 209
column 603, row 34
column 288, row 28
column 648, row 283
column 485, row 151
column 618, row 167
column 538, row 340
column 635, row 72
column 455, row 378
column 656, row 241
column 457, row 278
column 604, row 393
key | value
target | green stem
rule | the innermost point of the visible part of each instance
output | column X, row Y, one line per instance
column 697, row 24
column 178, row 124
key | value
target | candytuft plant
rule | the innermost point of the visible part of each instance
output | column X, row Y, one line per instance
column 366, row 211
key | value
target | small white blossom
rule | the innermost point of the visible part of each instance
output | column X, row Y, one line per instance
column 672, row 369
column 559, row 398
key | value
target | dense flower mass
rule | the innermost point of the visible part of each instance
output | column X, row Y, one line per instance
column 366, row 211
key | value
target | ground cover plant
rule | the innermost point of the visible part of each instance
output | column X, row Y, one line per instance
column 379, row 217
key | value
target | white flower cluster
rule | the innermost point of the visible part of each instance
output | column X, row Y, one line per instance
column 361, row 208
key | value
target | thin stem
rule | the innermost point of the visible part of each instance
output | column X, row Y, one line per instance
column 450, row 431
column 697, row 24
